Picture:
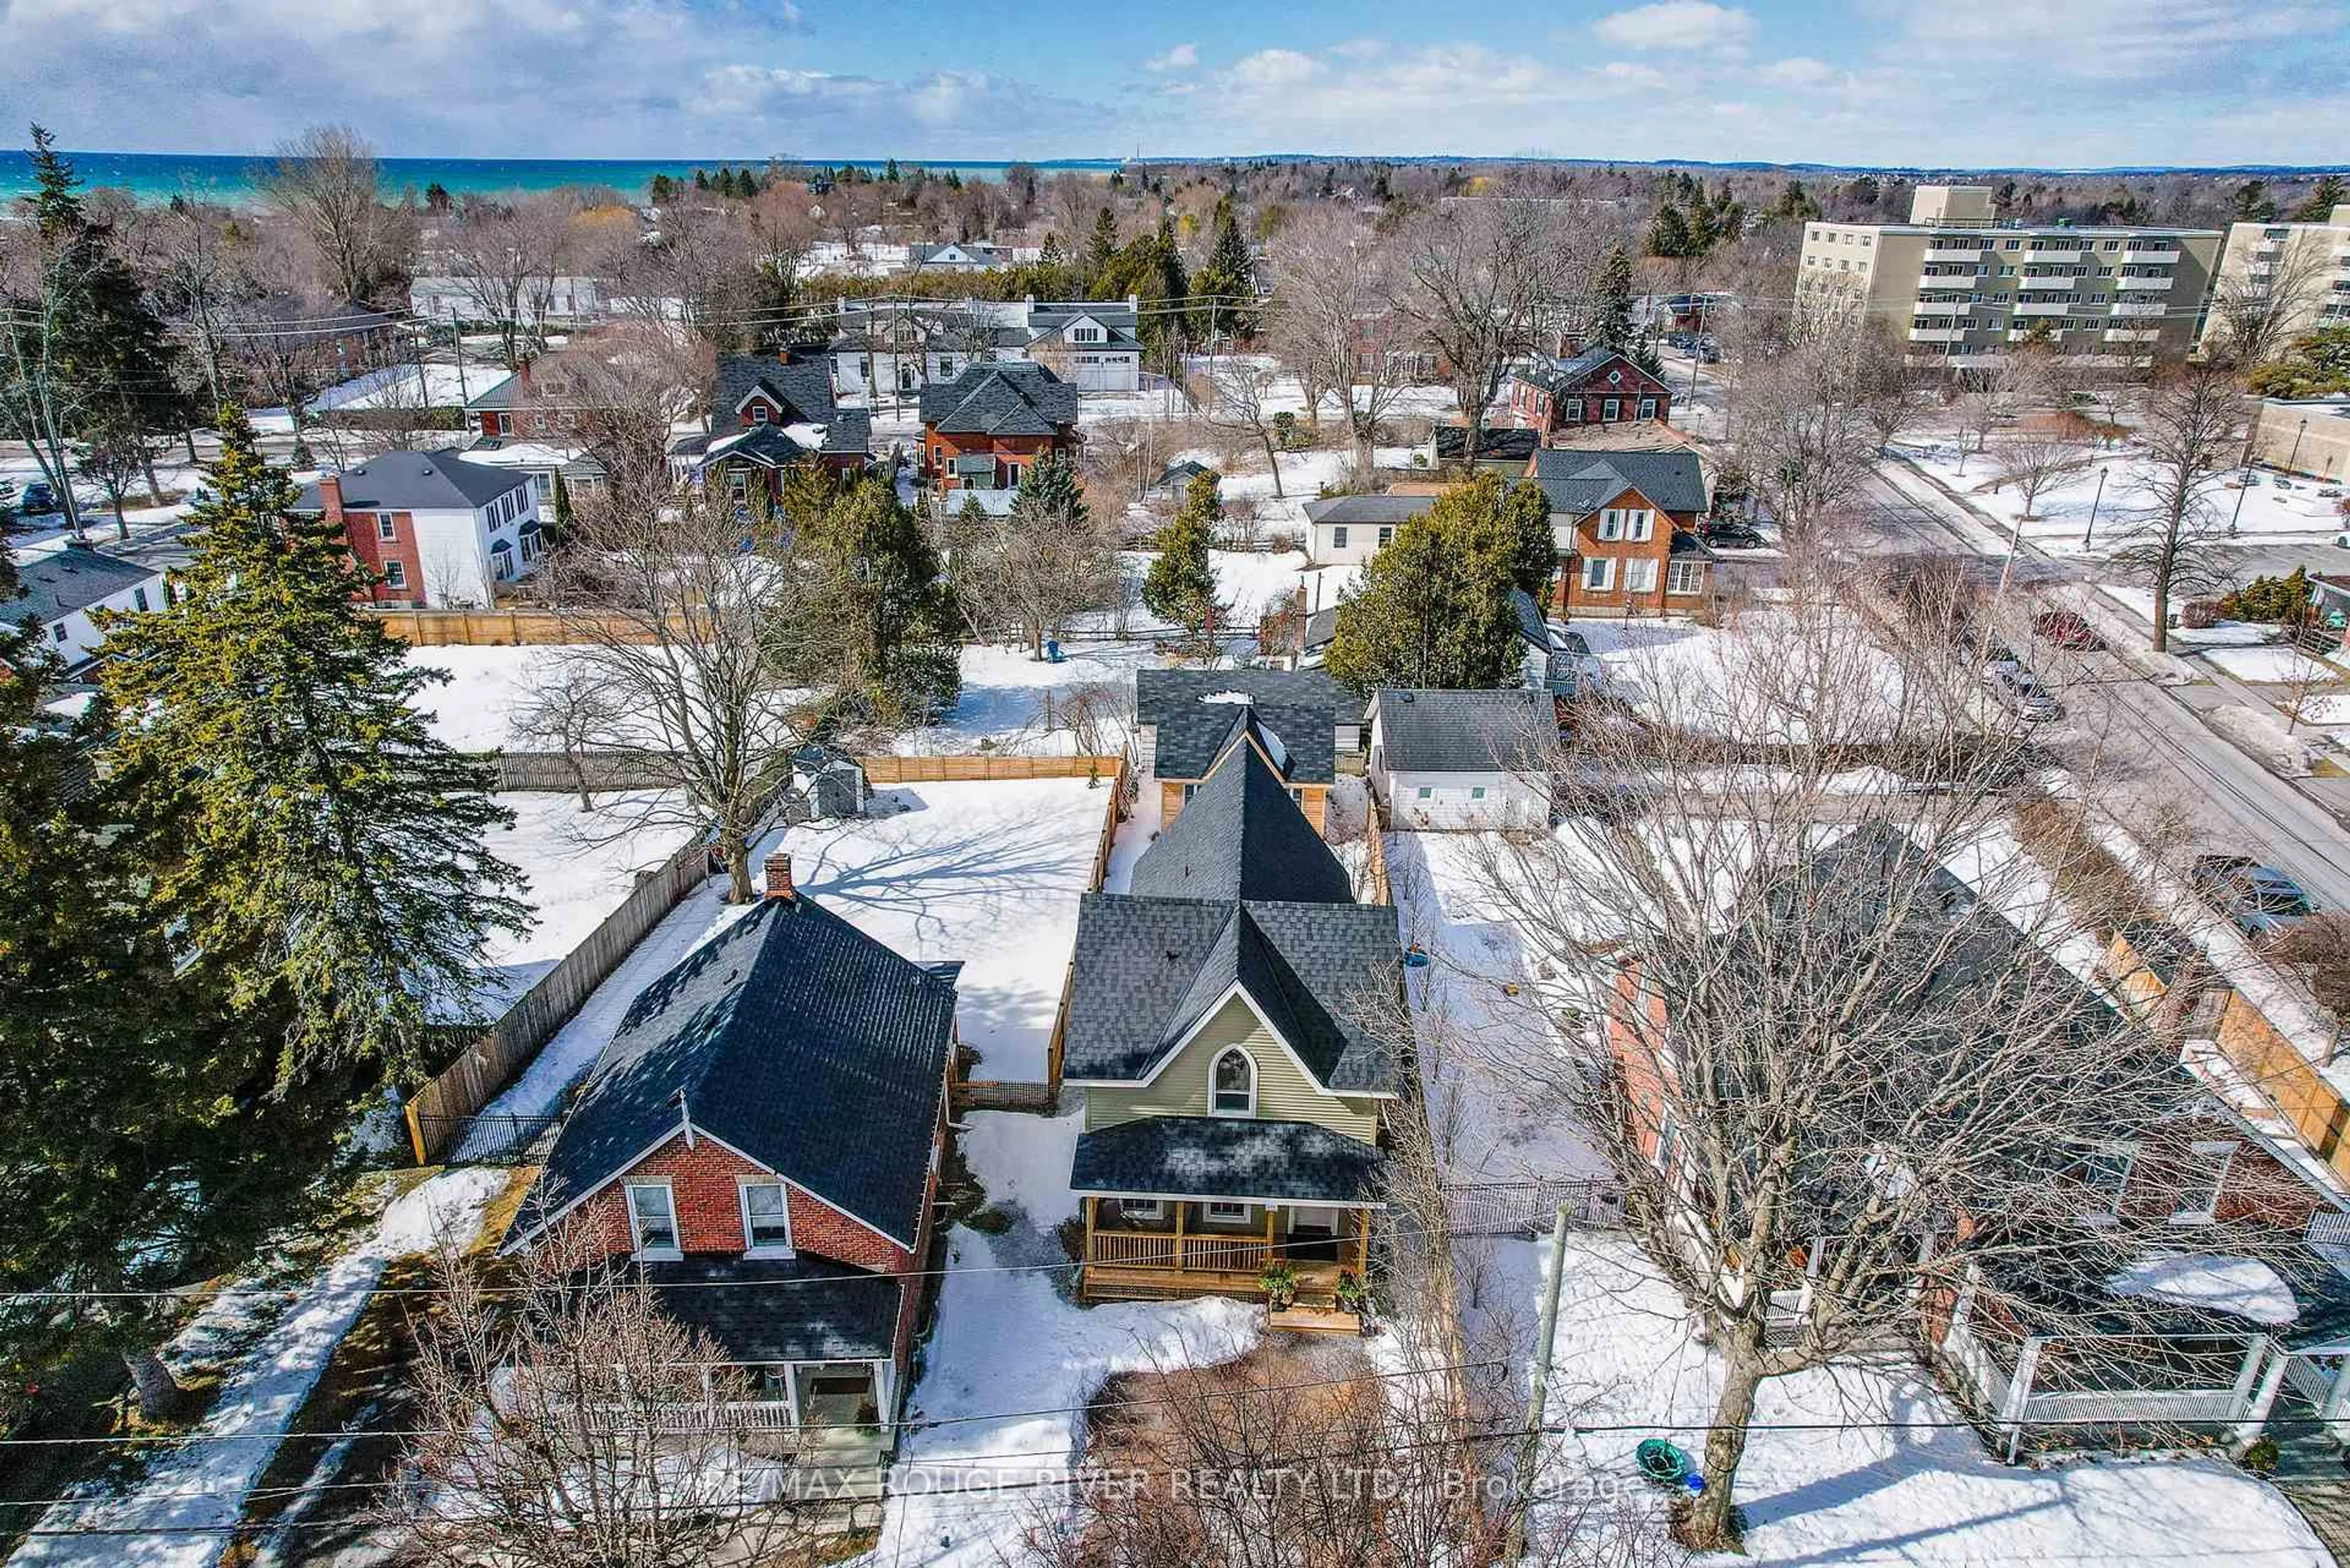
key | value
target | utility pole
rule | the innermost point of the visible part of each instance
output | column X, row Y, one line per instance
column 1530, row 1446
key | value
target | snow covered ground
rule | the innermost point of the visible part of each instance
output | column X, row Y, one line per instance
column 1735, row 679
column 436, row 386
column 475, row 711
column 581, row 866
column 2275, row 664
column 1868, row 1464
column 1009, row 1339
column 988, row 873
column 2062, row 511
column 187, row 1493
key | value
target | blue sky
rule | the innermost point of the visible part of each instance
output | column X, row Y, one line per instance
column 2029, row 82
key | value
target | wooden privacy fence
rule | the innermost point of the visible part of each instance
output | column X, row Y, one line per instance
column 884, row 771
column 439, row 1111
column 506, row 628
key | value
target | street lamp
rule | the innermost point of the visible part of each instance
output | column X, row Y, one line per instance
column 2294, row 456
column 2090, row 532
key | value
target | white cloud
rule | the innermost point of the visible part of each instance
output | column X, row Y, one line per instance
column 1798, row 71
column 1181, row 57
column 1677, row 24
column 2112, row 40
column 1276, row 68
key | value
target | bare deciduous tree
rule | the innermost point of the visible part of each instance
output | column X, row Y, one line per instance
column 2255, row 314
column 1840, row 1074
column 1984, row 401
column 1479, row 277
column 327, row 182
column 1334, row 278
column 2193, row 420
column 674, row 612
column 1241, row 388
column 1029, row 573
column 507, row 257
column 2034, row 459
column 1805, row 437
column 566, row 1420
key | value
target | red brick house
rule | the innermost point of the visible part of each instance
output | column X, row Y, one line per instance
column 1597, row 387
column 434, row 531
column 1626, row 522
column 986, row 428
column 772, row 1113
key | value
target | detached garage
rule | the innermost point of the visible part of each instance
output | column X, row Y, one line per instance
column 1463, row 761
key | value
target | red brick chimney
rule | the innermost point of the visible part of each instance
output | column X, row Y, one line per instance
column 330, row 499
column 779, row 877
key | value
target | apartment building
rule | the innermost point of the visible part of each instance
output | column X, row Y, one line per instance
column 2306, row 266
column 1957, row 283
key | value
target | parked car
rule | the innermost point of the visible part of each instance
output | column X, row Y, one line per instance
column 2282, row 483
column 2017, row 689
column 1706, row 354
column 39, row 500
column 2259, row 899
column 2067, row 630
column 1731, row 536
column 2329, row 493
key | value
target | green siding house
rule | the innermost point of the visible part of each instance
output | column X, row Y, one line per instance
column 1234, row 1097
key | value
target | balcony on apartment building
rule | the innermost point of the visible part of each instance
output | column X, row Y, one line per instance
column 2043, row 306
column 2062, row 280
column 1938, row 335
column 2131, row 335
column 1944, row 247
column 2138, row 307
column 2128, row 281
column 1957, row 280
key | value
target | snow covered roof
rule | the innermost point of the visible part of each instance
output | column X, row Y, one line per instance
column 2214, row 1281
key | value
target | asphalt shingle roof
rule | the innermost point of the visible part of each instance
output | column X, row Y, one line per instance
column 1015, row 398
column 803, row 392
column 1148, row 969
column 1390, row 509
column 1566, row 375
column 1228, row 1156
column 1241, row 837
column 1579, row 483
column 1429, row 732
column 765, row 1310
column 67, row 580
column 794, row 1037
column 1301, row 707
column 418, row 481
column 1502, row 443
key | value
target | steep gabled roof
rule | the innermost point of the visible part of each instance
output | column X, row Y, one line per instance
column 1463, row 731
column 1569, row 374
column 1012, row 400
column 1241, row 837
column 1373, row 509
column 418, row 481
column 1579, row 481
column 1192, row 714
column 1149, row 969
column 791, row 1036
column 1228, row 1156
column 801, row 393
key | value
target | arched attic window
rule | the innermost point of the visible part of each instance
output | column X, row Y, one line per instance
column 1232, row 1084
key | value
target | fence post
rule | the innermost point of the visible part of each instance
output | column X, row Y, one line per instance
column 2018, row 1393
column 415, row 1131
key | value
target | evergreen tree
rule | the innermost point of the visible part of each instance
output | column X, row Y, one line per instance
column 2254, row 204
column 438, row 200
column 140, row 1147
column 1181, row 585
column 557, row 530
column 1669, row 233
column 328, row 861
column 2323, row 197
column 1051, row 271
column 1432, row 608
column 1611, row 313
column 662, row 191
column 1160, row 281
column 1101, row 254
column 2317, row 365
column 1229, row 277
column 875, row 629
column 1523, row 514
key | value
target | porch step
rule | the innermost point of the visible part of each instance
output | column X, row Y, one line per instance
column 1303, row 1319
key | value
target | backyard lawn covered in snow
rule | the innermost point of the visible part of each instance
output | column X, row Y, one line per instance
column 580, row 867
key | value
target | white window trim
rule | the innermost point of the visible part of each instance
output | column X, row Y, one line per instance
column 395, row 574
column 1611, row 525
column 1213, row 1108
column 1639, row 577
column 387, row 527
column 1640, row 525
column 1243, row 1217
column 2226, row 1151
column 743, row 1185
column 1692, row 574
column 1152, row 1210
column 636, row 1240
column 1598, row 574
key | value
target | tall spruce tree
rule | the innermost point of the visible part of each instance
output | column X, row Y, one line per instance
column 1100, row 259
column 1432, row 608
column 140, row 1147
column 326, row 859
column 1181, row 585
column 1228, row 278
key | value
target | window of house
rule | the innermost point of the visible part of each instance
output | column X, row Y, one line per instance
column 1684, row 576
column 502, row 561
column 1575, row 411
column 1188, row 789
column 1611, row 524
column 385, row 528
column 1639, row 577
column 1228, row 1213
column 1232, row 1084
column 2105, row 1173
column 1386, row 533
column 1610, row 410
column 1648, row 408
column 652, row 1220
column 1639, row 524
column 1337, row 536
column 1669, row 1144
column 2200, row 1181
column 767, row 1218
column 759, row 412
column 1599, row 573
column 57, row 632
column 1148, row 1211
column 1476, row 791
column 1425, row 792
column 138, row 597
column 395, row 574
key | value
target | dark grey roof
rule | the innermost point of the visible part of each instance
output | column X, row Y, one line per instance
column 418, row 481
column 1119, row 319
column 1427, row 732
column 1241, row 837
column 1580, row 482
column 1228, row 1156
column 1299, row 707
column 1179, row 474
column 68, row 580
column 1532, row 624
column 773, row 446
column 980, row 250
column 796, row 1038
column 1147, row 969
column 802, row 392
column 763, row 1309
column 1321, row 628
column 1014, row 399
column 1502, row 444
column 1390, row 509
column 850, row 431
column 1688, row 544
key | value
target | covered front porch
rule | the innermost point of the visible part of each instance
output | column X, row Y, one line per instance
column 1145, row 1248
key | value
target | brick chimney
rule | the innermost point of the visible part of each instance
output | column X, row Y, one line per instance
column 330, row 499
column 779, row 877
